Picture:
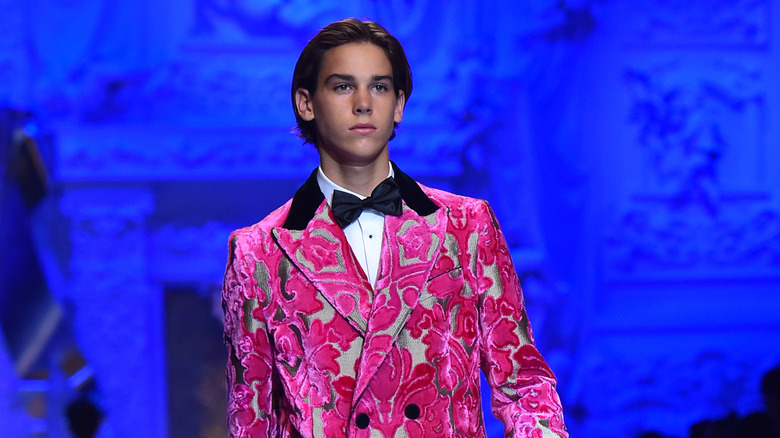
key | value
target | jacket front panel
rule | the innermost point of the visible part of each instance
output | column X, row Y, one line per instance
column 317, row 352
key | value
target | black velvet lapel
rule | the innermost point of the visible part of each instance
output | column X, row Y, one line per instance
column 412, row 194
column 304, row 204
column 309, row 197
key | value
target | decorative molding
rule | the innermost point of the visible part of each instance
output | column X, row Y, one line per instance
column 124, row 152
column 116, row 308
column 701, row 23
column 741, row 239
column 136, row 152
column 199, row 89
column 104, row 221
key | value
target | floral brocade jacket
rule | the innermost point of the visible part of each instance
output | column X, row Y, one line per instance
column 315, row 351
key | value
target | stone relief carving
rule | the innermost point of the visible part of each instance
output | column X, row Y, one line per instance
column 725, row 23
column 203, row 89
column 113, row 153
column 239, row 91
column 744, row 239
column 687, row 115
column 113, row 303
column 694, row 210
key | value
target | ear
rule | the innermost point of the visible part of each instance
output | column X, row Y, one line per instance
column 400, row 102
column 304, row 104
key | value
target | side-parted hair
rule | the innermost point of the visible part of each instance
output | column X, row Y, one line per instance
column 350, row 30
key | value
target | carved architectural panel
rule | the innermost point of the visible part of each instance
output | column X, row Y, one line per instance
column 204, row 87
column 741, row 239
column 116, row 310
column 132, row 152
column 702, row 204
column 701, row 23
column 700, row 125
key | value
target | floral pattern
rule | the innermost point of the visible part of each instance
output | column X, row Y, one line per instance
column 316, row 352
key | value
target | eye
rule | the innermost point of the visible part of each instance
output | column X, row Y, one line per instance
column 382, row 88
column 342, row 87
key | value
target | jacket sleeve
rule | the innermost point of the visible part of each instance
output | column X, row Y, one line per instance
column 249, row 368
column 523, row 391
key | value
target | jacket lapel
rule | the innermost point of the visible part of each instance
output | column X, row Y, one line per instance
column 410, row 249
column 316, row 245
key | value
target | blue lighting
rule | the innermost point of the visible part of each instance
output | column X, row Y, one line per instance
column 629, row 151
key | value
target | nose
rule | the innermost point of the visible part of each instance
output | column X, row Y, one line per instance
column 362, row 103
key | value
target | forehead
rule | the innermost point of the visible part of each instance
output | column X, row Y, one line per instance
column 355, row 59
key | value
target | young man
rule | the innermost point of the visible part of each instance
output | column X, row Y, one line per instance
column 367, row 305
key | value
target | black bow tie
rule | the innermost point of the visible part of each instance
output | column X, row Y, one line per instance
column 386, row 198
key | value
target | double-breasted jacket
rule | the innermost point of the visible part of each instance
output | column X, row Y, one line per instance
column 316, row 351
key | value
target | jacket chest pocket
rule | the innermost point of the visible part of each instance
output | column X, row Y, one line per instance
column 443, row 286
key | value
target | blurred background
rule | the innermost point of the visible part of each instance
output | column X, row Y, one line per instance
column 629, row 149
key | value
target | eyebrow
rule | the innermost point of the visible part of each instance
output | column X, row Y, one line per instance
column 351, row 78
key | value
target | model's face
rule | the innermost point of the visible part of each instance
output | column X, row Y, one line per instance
column 355, row 106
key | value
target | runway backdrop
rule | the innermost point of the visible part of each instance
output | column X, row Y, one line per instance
column 629, row 149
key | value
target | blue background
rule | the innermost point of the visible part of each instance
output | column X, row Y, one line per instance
column 629, row 149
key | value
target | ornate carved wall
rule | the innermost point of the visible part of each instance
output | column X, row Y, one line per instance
column 683, row 294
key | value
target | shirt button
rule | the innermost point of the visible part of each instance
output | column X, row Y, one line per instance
column 361, row 421
column 412, row 411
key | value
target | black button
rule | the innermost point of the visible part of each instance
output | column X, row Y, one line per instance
column 361, row 421
column 412, row 411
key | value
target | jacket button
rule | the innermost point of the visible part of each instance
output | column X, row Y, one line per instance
column 361, row 421
column 412, row 411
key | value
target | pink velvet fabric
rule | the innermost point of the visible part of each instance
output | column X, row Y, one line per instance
column 313, row 347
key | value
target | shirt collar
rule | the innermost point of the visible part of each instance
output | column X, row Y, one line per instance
column 308, row 198
column 327, row 187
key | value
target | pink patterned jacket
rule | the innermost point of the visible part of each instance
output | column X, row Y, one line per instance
column 315, row 351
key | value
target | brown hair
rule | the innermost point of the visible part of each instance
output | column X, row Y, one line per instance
column 350, row 30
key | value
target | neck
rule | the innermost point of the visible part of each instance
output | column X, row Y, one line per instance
column 359, row 178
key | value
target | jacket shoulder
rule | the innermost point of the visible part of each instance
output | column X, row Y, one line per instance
column 453, row 201
column 477, row 212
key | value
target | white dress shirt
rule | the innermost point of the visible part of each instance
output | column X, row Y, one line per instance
column 365, row 234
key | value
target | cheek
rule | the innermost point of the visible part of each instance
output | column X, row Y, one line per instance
column 324, row 123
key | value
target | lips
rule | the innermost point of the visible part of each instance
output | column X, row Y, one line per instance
column 363, row 128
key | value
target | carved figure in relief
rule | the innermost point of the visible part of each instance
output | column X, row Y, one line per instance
column 686, row 216
column 679, row 128
column 368, row 304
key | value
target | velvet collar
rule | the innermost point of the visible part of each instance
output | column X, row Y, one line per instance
column 308, row 199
